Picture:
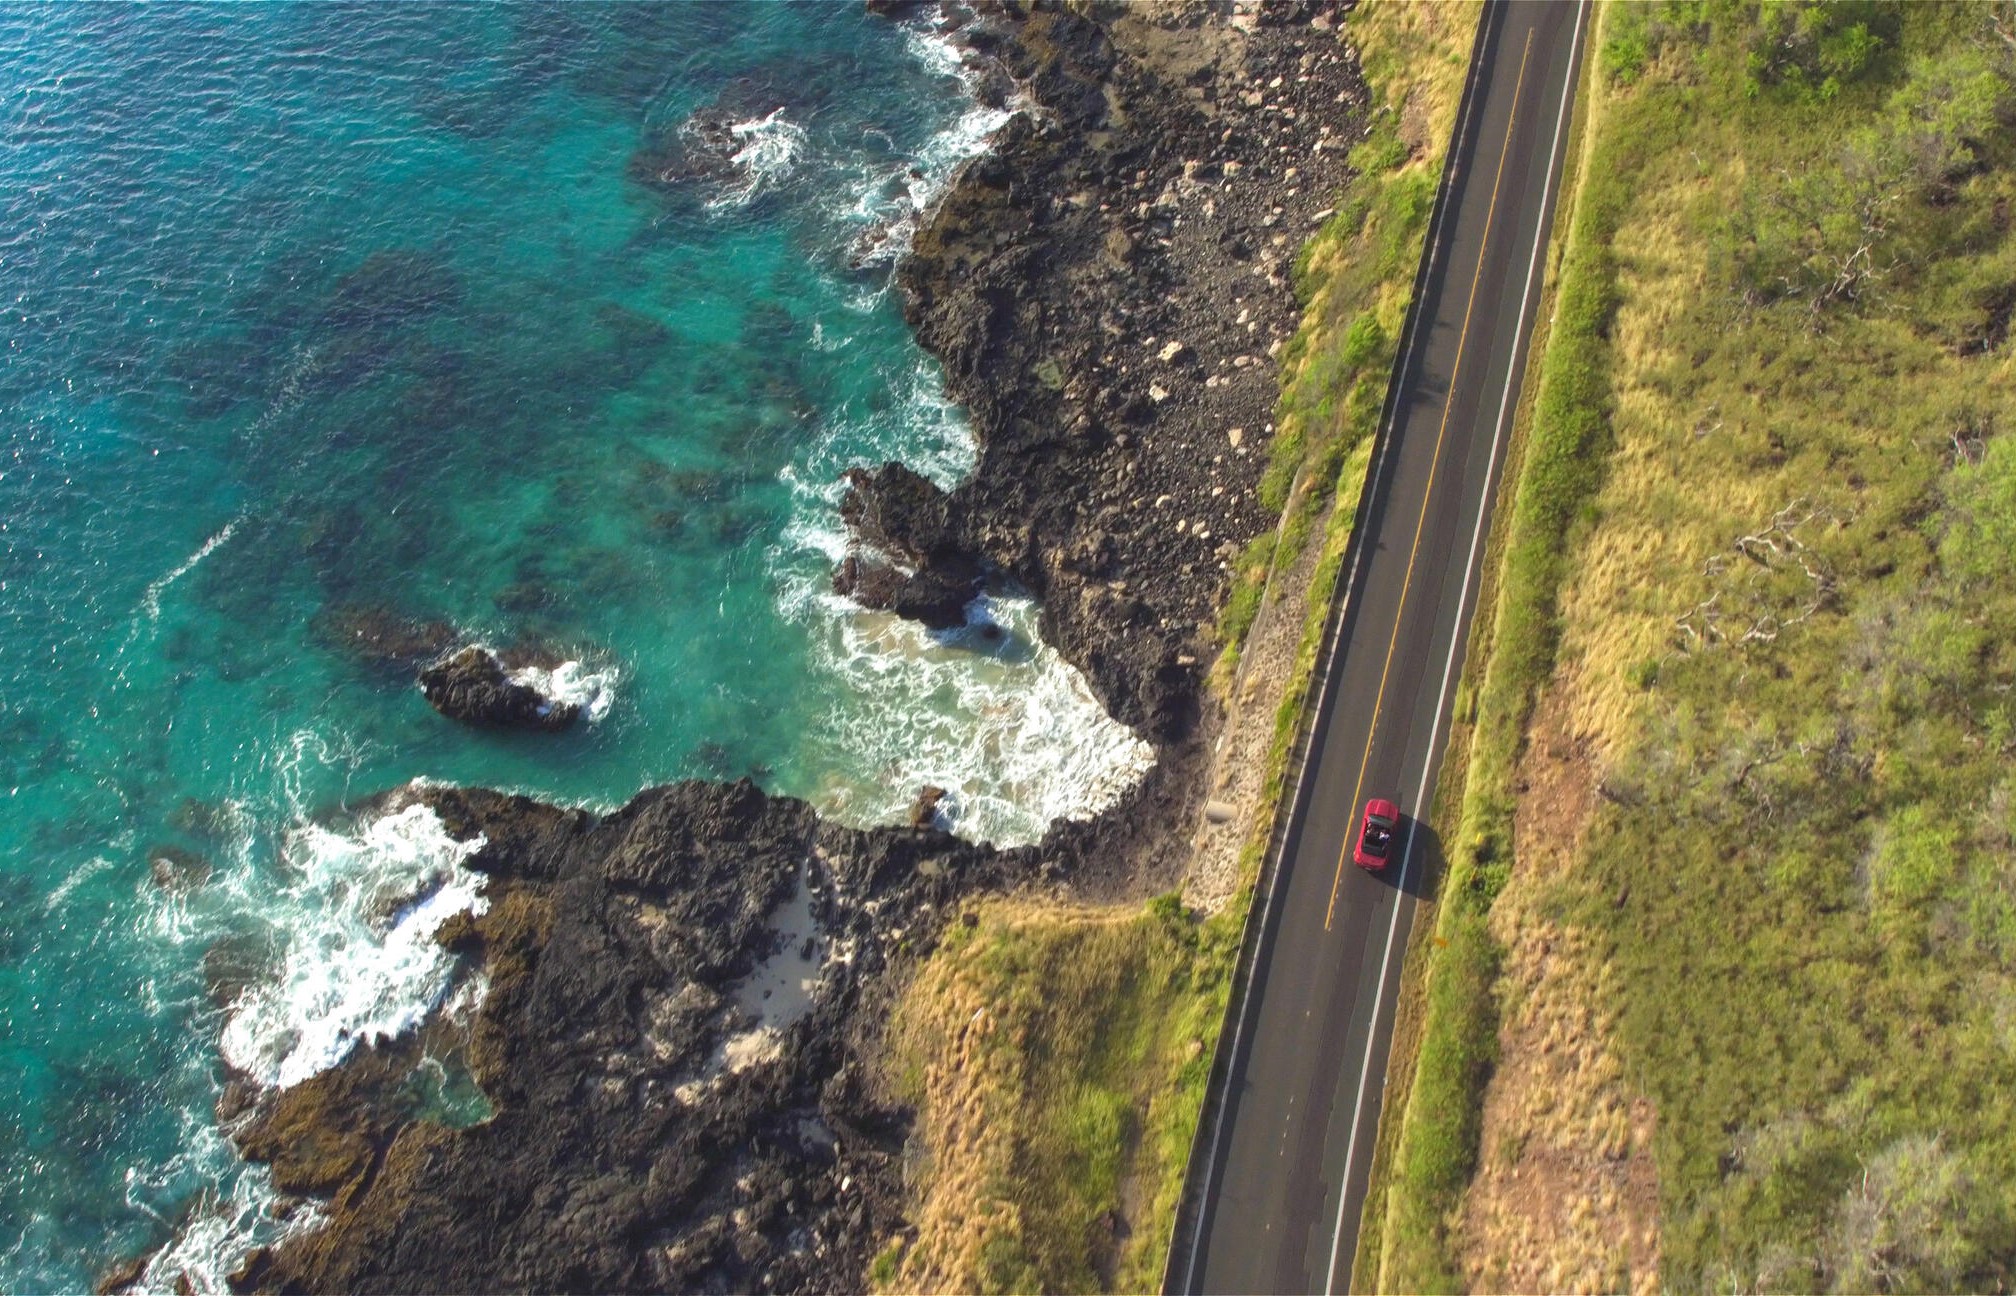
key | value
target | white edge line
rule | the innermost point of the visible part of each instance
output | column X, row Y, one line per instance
column 1451, row 164
column 1455, row 653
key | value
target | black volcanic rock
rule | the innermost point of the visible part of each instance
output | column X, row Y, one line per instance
column 699, row 150
column 622, row 1156
column 177, row 868
column 898, row 512
column 936, row 596
column 924, row 811
column 471, row 686
column 897, row 509
column 1084, row 287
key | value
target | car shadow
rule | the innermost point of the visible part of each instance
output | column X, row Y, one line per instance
column 1426, row 862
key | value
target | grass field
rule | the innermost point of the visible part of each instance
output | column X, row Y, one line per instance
column 1759, row 578
column 1056, row 1056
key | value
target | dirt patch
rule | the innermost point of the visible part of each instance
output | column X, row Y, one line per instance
column 1566, row 1195
column 1239, row 756
column 1556, row 785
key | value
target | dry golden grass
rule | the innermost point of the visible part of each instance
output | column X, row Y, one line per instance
column 1055, row 1057
column 1722, row 414
column 1566, row 1193
column 1417, row 54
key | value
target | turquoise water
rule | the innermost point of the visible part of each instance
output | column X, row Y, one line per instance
column 313, row 309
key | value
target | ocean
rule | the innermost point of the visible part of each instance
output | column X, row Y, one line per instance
column 330, row 318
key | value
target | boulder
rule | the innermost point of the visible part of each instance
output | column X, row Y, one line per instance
column 176, row 868
column 924, row 813
column 471, row 686
column 935, row 596
column 898, row 512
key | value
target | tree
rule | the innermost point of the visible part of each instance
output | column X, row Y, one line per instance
column 1812, row 48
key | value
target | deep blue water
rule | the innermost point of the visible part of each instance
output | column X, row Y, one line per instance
column 316, row 312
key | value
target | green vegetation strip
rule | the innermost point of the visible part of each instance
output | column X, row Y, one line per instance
column 1082, row 1068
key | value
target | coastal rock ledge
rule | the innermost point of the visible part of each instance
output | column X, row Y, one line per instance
column 658, row 1123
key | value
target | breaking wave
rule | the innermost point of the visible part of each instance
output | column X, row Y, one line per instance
column 770, row 149
column 359, row 960
column 574, row 684
column 332, row 933
column 883, row 200
column 988, row 712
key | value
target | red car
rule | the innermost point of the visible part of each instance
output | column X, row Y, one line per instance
column 1375, row 834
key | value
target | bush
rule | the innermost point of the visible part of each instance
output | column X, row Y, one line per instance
column 1362, row 341
column 1809, row 50
column 1917, row 1221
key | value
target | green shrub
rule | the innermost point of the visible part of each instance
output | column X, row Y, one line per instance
column 1362, row 341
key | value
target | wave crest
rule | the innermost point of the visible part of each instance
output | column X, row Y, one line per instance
column 769, row 150
column 359, row 959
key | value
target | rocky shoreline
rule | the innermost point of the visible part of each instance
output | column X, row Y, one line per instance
column 1105, row 290
column 653, row 1129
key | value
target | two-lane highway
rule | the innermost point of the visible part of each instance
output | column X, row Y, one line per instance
column 1284, row 1164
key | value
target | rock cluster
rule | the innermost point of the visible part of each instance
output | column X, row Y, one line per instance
column 699, row 151
column 912, row 564
column 462, row 680
column 1106, row 289
column 629, row 1149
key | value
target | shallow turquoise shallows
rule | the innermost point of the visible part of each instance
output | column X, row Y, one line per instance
column 316, row 312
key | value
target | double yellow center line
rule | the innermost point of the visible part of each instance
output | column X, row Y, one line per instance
column 1434, row 466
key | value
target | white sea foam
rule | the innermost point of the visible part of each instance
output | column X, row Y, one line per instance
column 769, row 149
column 351, row 917
column 922, row 427
column 572, row 683
column 150, row 602
column 885, row 200
column 968, row 136
column 226, row 1220
column 358, row 917
column 78, row 876
column 988, row 712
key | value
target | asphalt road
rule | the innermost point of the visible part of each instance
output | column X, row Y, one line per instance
column 1286, row 1174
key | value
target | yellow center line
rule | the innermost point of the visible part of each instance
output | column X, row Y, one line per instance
column 1434, row 466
